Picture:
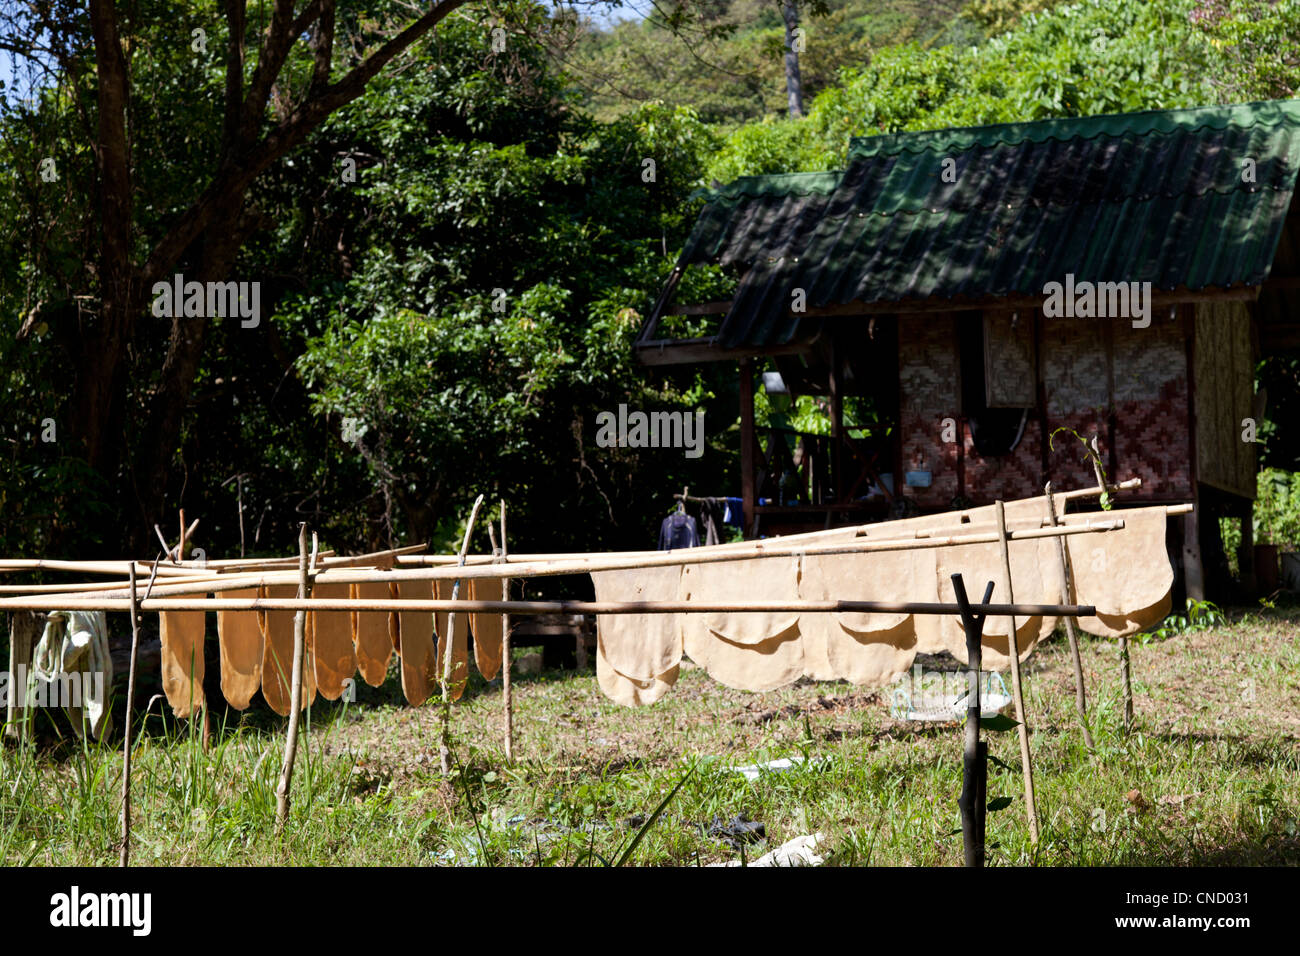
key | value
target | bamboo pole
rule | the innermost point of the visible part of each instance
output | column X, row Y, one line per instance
column 973, row 800
column 1126, row 679
column 1080, row 691
column 434, row 560
column 22, row 632
column 600, row 563
column 327, row 559
column 282, row 792
column 555, row 607
column 507, row 704
column 82, row 567
column 130, row 701
column 409, row 557
column 1022, row 730
column 444, row 737
column 125, row 858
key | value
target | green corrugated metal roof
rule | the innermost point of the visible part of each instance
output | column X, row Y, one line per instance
column 757, row 216
column 1156, row 196
column 1244, row 115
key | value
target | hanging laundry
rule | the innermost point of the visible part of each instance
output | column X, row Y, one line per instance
column 331, row 637
column 459, row 673
column 415, row 643
column 371, row 638
column 711, row 512
column 239, row 639
column 277, row 655
column 678, row 530
column 1035, row 577
column 182, row 660
column 734, row 512
column 864, row 648
column 72, row 655
column 486, row 627
column 1124, row 574
column 628, row 691
column 749, row 650
column 639, row 646
column 1125, row 625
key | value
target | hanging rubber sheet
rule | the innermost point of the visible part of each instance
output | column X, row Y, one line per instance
column 1125, row 573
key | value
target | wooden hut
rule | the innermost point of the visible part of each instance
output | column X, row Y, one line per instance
column 944, row 276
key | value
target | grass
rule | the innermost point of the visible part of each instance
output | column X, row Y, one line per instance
column 1210, row 775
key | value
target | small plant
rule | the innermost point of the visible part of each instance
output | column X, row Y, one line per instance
column 1200, row 616
column 1090, row 454
column 1277, row 508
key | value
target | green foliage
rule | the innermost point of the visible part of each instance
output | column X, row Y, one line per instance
column 730, row 65
column 999, row 723
column 1276, row 515
column 1200, row 616
column 998, row 16
column 1090, row 455
column 506, row 252
column 1076, row 59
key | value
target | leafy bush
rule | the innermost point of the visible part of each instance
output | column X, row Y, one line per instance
column 1277, row 509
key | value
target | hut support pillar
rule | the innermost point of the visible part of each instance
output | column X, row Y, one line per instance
column 747, row 442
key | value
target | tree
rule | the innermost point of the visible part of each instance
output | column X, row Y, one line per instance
column 469, row 170
column 270, row 102
column 793, row 43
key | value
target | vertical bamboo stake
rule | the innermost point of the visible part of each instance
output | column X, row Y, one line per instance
column 21, row 631
column 508, row 715
column 444, row 738
column 1080, row 692
column 130, row 700
column 1124, row 675
column 973, row 800
column 1127, row 680
column 1014, row 649
column 126, row 734
column 295, row 686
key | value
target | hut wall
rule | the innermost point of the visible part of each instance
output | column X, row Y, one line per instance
column 1086, row 368
column 1224, row 362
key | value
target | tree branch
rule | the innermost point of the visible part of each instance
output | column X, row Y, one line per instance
column 276, row 42
column 323, row 47
column 235, row 178
column 112, row 153
column 236, row 13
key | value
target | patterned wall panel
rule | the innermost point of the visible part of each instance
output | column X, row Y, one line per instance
column 1151, row 410
column 930, row 391
column 1009, row 380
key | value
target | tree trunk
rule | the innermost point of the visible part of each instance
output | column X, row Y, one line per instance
column 793, row 84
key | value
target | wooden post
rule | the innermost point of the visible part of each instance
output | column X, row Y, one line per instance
column 130, row 701
column 837, row 429
column 444, row 736
column 1126, row 679
column 1013, row 647
column 974, row 777
column 1080, row 693
column 295, row 685
column 22, row 631
column 507, row 715
column 1246, row 553
column 747, row 490
column 1193, row 569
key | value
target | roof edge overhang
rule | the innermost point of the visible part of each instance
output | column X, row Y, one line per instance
column 707, row 349
column 1159, row 298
